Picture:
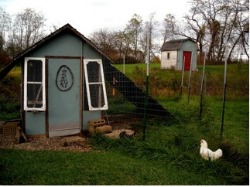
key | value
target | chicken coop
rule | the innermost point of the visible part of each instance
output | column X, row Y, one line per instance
column 179, row 54
column 64, row 85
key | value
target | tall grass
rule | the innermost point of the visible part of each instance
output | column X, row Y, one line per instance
column 10, row 95
column 170, row 153
column 102, row 168
column 67, row 168
column 168, row 156
column 177, row 145
column 166, row 82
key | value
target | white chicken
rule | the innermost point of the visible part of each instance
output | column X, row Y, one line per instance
column 207, row 154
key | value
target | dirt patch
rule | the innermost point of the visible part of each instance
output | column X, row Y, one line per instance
column 70, row 143
column 123, row 121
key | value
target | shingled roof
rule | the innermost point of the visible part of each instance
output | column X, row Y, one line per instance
column 174, row 45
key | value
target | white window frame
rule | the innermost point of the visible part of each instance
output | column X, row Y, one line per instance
column 105, row 106
column 26, row 82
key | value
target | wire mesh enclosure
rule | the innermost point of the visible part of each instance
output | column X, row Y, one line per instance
column 127, row 101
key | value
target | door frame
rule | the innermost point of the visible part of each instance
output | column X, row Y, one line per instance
column 81, row 92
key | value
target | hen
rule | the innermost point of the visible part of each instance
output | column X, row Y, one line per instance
column 207, row 154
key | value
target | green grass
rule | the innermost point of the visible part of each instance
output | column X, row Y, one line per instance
column 176, row 145
column 111, row 168
column 236, row 119
column 129, row 68
column 102, row 168
column 166, row 82
column 10, row 95
column 169, row 156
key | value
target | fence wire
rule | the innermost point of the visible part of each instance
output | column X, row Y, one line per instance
column 127, row 101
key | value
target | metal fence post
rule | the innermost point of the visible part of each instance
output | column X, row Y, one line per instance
column 147, row 82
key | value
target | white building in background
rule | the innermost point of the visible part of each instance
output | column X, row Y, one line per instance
column 173, row 53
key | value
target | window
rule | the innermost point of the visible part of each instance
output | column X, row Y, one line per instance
column 34, row 84
column 95, row 85
column 168, row 55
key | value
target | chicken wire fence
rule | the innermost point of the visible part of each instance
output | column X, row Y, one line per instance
column 129, row 104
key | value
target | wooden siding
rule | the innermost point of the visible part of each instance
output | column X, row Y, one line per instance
column 65, row 46
column 187, row 46
column 168, row 62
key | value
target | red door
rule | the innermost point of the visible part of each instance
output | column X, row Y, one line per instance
column 187, row 60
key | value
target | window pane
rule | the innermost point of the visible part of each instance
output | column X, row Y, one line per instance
column 94, row 72
column 96, row 95
column 34, row 96
column 95, row 85
column 34, row 71
column 34, row 84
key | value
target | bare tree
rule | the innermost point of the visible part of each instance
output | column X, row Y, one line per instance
column 240, row 10
column 5, row 23
column 197, row 29
column 133, row 30
column 27, row 28
column 169, row 27
column 105, row 40
column 153, row 25
column 122, row 43
column 215, row 23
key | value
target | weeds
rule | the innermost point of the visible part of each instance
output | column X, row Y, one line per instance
column 178, row 148
column 10, row 96
column 177, row 145
column 166, row 82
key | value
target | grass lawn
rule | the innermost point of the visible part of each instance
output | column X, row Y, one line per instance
column 166, row 82
column 50, row 167
column 129, row 68
column 102, row 168
column 168, row 156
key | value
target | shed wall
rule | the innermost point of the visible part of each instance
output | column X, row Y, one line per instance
column 35, row 123
column 168, row 62
column 64, row 45
column 187, row 46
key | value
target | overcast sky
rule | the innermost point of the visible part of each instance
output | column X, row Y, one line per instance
column 88, row 16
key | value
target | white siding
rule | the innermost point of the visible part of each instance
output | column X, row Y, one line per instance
column 168, row 59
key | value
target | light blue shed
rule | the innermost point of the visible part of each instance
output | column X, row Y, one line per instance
column 63, row 84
